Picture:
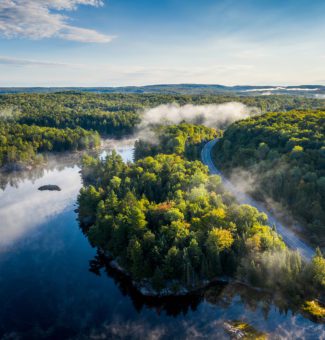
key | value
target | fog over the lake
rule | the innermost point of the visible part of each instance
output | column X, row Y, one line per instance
column 25, row 207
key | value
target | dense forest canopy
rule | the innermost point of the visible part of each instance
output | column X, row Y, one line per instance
column 286, row 153
column 171, row 225
column 112, row 115
column 90, row 112
column 172, row 218
column 184, row 138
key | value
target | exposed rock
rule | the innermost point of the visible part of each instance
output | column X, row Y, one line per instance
column 242, row 330
column 172, row 288
column 49, row 187
column 234, row 332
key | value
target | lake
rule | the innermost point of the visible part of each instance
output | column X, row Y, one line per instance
column 53, row 284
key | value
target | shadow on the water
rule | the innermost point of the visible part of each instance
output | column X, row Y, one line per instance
column 219, row 294
column 171, row 305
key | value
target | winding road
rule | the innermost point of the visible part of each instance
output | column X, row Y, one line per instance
column 291, row 239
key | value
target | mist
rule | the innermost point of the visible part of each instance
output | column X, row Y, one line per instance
column 282, row 88
column 211, row 115
column 7, row 111
column 249, row 181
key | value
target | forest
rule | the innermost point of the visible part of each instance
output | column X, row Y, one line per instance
column 285, row 153
column 171, row 226
column 21, row 143
column 182, row 139
column 118, row 113
column 57, row 121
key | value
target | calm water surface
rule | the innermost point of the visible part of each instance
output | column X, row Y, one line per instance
column 53, row 285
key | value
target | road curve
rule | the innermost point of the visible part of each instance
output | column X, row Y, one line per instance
column 292, row 240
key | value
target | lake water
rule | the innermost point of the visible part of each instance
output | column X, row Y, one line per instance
column 53, row 285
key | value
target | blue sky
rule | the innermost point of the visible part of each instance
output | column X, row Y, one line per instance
column 138, row 42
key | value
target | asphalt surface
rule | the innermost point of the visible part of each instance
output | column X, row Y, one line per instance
column 291, row 239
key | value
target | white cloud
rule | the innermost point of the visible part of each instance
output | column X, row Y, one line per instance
column 35, row 19
column 30, row 62
column 75, row 72
column 15, row 215
column 70, row 4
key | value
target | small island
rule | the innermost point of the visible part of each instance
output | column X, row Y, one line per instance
column 50, row 187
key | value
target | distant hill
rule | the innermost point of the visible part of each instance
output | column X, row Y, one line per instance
column 316, row 91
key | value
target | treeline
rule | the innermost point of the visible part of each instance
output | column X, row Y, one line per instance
column 171, row 225
column 182, row 139
column 23, row 143
column 286, row 153
column 89, row 111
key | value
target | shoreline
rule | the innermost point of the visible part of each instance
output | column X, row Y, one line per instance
column 145, row 287
column 45, row 158
column 146, row 291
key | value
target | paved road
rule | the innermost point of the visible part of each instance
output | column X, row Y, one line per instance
column 289, row 237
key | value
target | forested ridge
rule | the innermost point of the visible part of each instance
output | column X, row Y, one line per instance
column 285, row 152
column 170, row 225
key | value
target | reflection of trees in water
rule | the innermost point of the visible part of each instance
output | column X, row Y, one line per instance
column 57, row 161
column 252, row 298
column 172, row 306
column 219, row 294
column 52, row 162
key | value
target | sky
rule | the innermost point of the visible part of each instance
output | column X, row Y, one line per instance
column 141, row 42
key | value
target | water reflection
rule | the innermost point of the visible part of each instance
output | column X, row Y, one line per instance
column 203, row 314
column 172, row 306
column 23, row 208
column 53, row 162
column 61, row 161
column 219, row 294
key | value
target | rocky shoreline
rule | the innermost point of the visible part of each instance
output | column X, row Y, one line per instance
column 145, row 287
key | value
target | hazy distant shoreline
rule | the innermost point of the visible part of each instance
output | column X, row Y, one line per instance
column 317, row 91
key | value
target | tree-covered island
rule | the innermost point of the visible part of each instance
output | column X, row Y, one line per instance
column 173, row 228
